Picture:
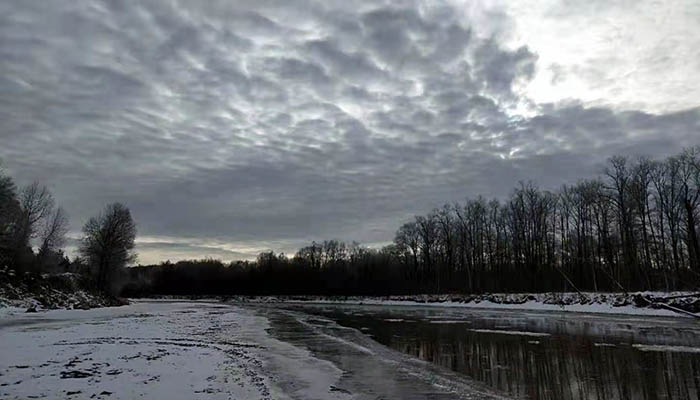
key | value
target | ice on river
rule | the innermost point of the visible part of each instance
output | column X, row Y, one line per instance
column 197, row 350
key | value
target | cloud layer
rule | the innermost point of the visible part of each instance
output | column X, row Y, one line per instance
column 231, row 127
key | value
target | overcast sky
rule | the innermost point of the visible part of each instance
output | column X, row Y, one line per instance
column 231, row 127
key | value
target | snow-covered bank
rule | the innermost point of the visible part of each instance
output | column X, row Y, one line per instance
column 641, row 303
column 49, row 291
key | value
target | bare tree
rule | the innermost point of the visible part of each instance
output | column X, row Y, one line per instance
column 641, row 192
column 108, row 242
column 53, row 235
column 621, row 184
column 445, row 220
column 427, row 231
column 312, row 254
column 690, row 198
column 37, row 204
column 408, row 239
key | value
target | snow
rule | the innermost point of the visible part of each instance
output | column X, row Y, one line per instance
column 447, row 321
column 167, row 350
column 581, row 308
column 49, row 291
column 599, row 303
column 208, row 350
column 517, row 333
column 6, row 312
column 665, row 348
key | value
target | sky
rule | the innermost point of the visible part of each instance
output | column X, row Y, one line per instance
column 234, row 127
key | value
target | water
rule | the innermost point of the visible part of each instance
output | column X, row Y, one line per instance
column 542, row 355
column 367, row 370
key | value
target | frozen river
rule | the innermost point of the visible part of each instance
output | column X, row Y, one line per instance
column 200, row 350
column 542, row 355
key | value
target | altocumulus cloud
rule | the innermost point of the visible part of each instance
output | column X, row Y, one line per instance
column 230, row 127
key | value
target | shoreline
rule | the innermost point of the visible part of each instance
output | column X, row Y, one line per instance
column 657, row 304
column 636, row 304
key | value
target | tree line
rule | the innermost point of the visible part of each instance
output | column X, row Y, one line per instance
column 635, row 227
column 327, row 268
column 33, row 235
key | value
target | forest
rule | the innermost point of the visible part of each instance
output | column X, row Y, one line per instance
column 634, row 227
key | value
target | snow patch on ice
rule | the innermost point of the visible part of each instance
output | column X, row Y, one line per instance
column 448, row 321
column 666, row 349
column 518, row 333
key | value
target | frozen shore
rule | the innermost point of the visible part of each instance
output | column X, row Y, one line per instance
column 200, row 350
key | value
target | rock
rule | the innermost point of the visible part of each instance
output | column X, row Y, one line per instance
column 31, row 309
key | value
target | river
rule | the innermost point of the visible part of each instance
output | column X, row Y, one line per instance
column 538, row 355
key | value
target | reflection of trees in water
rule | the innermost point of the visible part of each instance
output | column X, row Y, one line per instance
column 557, row 367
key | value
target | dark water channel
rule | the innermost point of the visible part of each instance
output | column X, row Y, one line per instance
column 542, row 355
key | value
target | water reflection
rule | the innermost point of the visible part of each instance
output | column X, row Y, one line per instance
column 545, row 357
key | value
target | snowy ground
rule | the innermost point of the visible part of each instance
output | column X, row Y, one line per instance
column 152, row 351
column 199, row 350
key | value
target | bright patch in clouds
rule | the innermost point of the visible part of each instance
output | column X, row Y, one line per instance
column 633, row 55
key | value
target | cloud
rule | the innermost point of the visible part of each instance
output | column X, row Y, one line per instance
column 232, row 129
column 631, row 55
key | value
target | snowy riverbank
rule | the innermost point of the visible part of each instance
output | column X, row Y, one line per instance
column 30, row 291
column 640, row 303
